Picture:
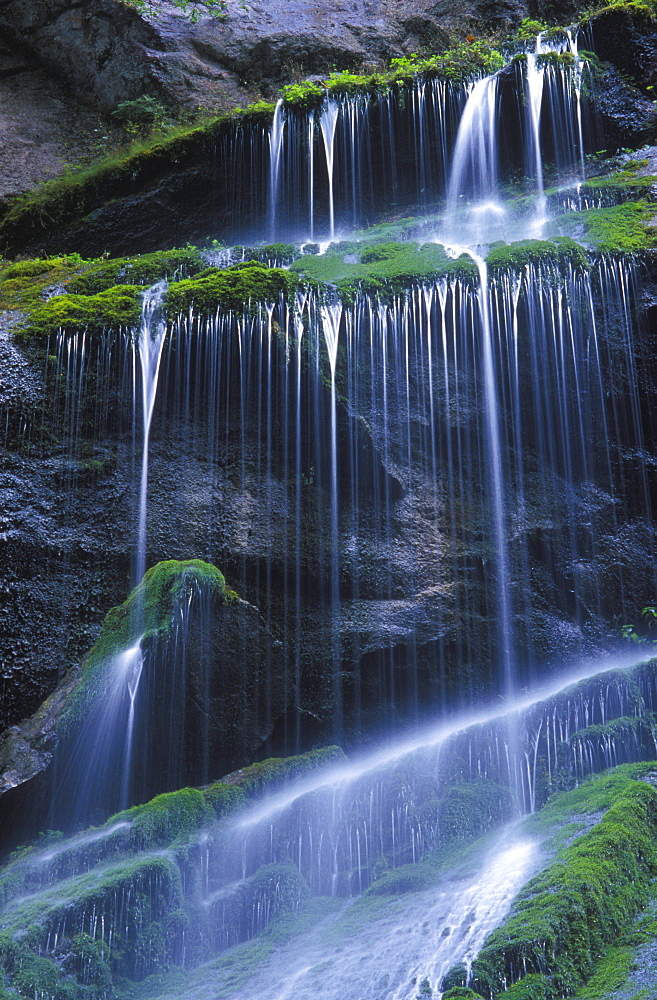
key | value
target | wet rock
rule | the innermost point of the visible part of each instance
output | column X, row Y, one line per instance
column 628, row 118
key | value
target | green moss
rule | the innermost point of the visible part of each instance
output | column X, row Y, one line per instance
column 634, row 10
column 274, row 771
column 515, row 256
column 623, row 728
column 459, row 64
column 461, row 993
column 152, row 603
column 619, row 229
column 406, row 878
column 242, row 287
column 144, row 269
column 566, row 917
column 592, row 797
column 76, row 193
column 386, row 268
column 25, row 284
column 532, row 987
column 168, row 817
column 115, row 309
column 610, row 974
column 272, row 253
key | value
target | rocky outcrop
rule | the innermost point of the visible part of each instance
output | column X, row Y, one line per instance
column 206, row 687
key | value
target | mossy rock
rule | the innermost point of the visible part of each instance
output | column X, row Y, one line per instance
column 143, row 269
column 624, row 228
column 29, row 282
column 566, row 917
column 387, row 268
column 245, row 286
column 150, row 606
column 516, row 256
column 532, row 987
column 116, row 309
column 266, row 774
column 461, row 993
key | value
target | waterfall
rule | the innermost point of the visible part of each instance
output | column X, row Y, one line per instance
column 424, row 485
column 275, row 148
column 149, row 345
column 327, row 123
column 474, row 169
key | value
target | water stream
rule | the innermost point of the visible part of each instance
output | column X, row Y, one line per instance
column 423, row 485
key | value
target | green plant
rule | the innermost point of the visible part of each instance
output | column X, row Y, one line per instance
column 649, row 615
column 141, row 114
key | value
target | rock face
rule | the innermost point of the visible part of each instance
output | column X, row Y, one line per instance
column 107, row 51
column 205, row 682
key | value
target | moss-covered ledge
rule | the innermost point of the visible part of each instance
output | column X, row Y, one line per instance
column 386, row 268
column 149, row 609
column 566, row 917
column 95, row 298
column 559, row 251
column 626, row 228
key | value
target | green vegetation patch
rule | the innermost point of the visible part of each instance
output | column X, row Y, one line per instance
column 566, row 917
column 457, row 64
column 619, row 229
column 265, row 774
column 150, row 606
column 116, row 309
column 387, row 268
column 515, row 256
column 28, row 282
column 610, row 974
column 143, row 269
column 245, row 286
column 634, row 10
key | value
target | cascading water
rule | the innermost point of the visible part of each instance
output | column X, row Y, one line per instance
column 149, row 345
column 327, row 123
column 275, row 146
column 415, row 479
column 474, row 170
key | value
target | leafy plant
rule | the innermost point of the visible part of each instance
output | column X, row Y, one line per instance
column 649, row 615
column 142, row 113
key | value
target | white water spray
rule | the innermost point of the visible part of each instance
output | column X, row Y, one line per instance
column 328, row 122
column 149, row 349
column 275, row 149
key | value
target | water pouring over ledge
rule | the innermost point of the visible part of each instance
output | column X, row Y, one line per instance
column 332, row 834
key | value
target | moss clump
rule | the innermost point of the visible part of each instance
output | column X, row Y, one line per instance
column 115, row 309
column 633, row 10
column 461, row 993
column 144, row 269
column 168, row 817
column 28, row 282
column 610, row 974
column 150, row 607
column 531, row 987
column 566, row 917
column 619, row 229
column 406, row 878
column 266, row 774
column 387, row 268
column 241, row 287
column 515, row 256
column 272, row 254
column 466, row 811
